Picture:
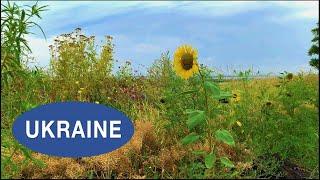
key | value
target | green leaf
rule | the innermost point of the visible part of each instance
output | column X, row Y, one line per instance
column 215, row 91
column 225, row 94
column 90, row 175
column 26, row 152
column 210, row 160
column 45, row 37
column 199, row 152
column 191, row 111
column 191, row 138
column 225, row 136
column 195, row 118
column 180, row 94
column 27, row 106
column 226, row 162
column 222, row 95
column 212, row 88
column 23, row 15
column 188, row 92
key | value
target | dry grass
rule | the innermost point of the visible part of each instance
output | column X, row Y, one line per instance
column 119, row 162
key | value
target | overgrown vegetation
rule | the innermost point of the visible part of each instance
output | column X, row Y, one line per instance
column 184, row 128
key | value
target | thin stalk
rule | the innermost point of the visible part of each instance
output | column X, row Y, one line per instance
column 207, row 109
column 205, row 91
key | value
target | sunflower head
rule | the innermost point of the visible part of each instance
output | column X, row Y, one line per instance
column 185, row 61
column 235, row 96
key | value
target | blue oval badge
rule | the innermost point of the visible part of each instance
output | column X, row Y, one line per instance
column 73, row 129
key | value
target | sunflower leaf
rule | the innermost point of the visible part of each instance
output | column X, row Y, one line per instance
column 195, row 118
column 191, row 111
column 212, row 88
column 225, row 94
column 188, row 92
column 216, row 96
column 191, row 138
column 226, row 162
column 210, row 160
column 225, row 136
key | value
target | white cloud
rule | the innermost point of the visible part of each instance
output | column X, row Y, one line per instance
column 298, row 10
column 93, row 10
column 74, row 13
column 219, row 8
column 40, row 50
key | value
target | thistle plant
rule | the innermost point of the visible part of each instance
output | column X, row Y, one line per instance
column 186, row 65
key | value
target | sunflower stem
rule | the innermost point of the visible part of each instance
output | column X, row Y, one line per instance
column 205, row 91
column 207, row 108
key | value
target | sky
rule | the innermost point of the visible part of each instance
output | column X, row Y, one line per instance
column 268, row 36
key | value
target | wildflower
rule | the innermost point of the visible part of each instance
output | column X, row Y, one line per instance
column 97, row 102
column 239, row 123
column 79, row 91
column 185, row 61
column 77, row 82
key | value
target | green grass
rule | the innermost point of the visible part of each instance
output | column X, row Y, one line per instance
column 272, row 122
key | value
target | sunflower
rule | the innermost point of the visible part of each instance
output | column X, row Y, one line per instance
column 185, row 61
column 235, row 96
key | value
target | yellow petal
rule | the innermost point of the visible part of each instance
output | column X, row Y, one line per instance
column 239, row 123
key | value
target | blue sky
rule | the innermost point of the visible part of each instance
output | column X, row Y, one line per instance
column 268, row 36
